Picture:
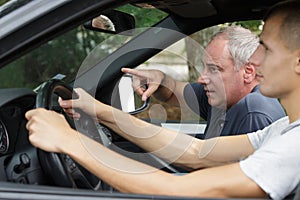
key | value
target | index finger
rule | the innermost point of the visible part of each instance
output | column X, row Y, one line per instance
column 134, row 72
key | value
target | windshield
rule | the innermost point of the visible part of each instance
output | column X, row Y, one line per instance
column 63, row 56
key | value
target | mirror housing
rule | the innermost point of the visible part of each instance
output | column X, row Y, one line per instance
column 131, row 102
column 114, row 21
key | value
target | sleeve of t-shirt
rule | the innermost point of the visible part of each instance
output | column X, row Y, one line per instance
column 196, row 99
column 258, row 137
column 275, row 165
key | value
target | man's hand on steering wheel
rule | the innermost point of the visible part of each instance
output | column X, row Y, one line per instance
column 50, row 133
column 48, row 130
column 85, row 102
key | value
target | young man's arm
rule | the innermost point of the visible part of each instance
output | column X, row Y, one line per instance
column 50, row 132
column 172, row 146
column 130, row 176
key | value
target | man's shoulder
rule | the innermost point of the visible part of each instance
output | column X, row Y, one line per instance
column 256, row 102
column 256, row 99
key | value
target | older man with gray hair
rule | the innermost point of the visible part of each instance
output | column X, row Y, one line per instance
column 227, row 92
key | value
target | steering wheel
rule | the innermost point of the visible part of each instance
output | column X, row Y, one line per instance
column 60, row 167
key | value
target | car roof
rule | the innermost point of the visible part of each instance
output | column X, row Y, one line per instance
column 24, row 14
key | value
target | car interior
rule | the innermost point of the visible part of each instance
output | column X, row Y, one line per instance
column 33, row 172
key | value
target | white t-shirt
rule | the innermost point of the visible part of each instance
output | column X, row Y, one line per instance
column 275, row 165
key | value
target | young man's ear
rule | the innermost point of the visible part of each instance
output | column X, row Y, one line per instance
column 249, row 73
column 297, row 68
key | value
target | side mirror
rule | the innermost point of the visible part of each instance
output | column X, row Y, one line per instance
column 113, row 21
column 131, row 102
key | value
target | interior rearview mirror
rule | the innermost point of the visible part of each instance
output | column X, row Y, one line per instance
column 131, row 102
column 113, row 21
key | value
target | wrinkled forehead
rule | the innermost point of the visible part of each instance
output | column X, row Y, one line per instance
column 206, row 57
column 216, row 51
column 208, row 60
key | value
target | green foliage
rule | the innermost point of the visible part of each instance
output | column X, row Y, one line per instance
column 62, row 55
column 3, row 2
column 144, row 17
column 65, row 54
column 253, row 25
column 11, row 76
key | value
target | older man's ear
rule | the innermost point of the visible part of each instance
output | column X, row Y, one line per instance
column 249, row 73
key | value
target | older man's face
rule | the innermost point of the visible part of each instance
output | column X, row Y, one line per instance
column 223, row 84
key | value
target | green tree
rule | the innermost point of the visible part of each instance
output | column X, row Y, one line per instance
column 66, row 53
column 3, row 2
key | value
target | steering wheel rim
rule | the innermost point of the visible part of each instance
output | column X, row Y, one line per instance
column 61, row 168
column 57, row 164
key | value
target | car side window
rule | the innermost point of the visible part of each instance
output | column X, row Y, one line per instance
column 174, row 62
column 183, row 62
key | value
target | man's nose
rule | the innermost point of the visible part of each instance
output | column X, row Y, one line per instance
column 203, row 79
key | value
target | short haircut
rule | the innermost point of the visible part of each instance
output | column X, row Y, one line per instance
column 289, row 29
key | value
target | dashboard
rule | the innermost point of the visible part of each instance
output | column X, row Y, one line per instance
column 13, row 105
column 4, row 139
column 20, row 162
column 18, row 158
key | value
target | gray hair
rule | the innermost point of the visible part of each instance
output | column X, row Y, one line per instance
column 241, row 44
